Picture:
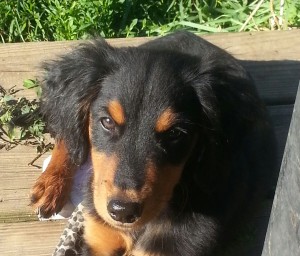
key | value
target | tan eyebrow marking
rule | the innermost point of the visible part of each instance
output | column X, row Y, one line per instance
column 116, row 111
column 165, row 120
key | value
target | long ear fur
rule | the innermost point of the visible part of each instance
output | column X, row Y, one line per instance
column 70, row 84
column 230, row 111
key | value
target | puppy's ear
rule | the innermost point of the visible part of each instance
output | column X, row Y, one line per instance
column 70, row 84
column 203, row 162
column 229, row 107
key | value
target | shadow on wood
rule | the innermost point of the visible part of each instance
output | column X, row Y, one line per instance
column 276, row 80
column 283, row 236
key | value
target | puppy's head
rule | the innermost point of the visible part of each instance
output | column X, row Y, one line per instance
column 140, row 115
column 143, row 127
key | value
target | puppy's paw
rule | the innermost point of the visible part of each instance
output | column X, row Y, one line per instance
column 50, row 193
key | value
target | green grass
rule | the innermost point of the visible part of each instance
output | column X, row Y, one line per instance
column 48, row 20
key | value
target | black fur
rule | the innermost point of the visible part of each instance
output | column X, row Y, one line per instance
column 219, row 112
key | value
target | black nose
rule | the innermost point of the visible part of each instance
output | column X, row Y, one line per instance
column 125, row 212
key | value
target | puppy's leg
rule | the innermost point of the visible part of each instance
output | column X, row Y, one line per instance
column 53, row 187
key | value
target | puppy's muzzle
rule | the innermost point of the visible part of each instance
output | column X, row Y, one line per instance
column 124, row 212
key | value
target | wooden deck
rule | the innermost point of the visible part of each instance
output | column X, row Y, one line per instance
column 273, row 59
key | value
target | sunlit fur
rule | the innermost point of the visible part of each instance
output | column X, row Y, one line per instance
column 52, row 189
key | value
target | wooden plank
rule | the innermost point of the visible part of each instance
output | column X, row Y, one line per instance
column 15, row 79
column 16, row 180
column 21, row 60
column 30, row 238
column 283, row 236
column 257, row 46
column 276, row 81
column 281, row 118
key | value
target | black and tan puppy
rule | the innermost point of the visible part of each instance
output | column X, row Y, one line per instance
column 178, row 138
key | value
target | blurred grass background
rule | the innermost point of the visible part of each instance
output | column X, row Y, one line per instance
column 51, row 20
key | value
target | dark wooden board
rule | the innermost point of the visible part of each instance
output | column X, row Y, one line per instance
column 276, row 81
column 281, row 117
column 283, row 237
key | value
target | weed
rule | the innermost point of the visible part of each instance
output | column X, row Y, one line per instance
column 48, row 20
column 20, row 120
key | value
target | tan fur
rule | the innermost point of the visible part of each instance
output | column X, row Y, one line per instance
column 116, row 111
column 165, row 120
column 102, row 239
column 53, row 187
column 104, row 171
column 143, row 253
column 166, row 179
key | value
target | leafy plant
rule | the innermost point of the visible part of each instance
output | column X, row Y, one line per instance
column 20, row 120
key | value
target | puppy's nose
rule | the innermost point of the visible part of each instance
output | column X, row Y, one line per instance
column 125, row 212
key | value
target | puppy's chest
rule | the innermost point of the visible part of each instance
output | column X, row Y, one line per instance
column 103, row 240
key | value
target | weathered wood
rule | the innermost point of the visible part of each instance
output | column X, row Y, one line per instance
column 256, row 46
column 283, row 236
column 15, row 183
column 266, row 51
column 30, row 238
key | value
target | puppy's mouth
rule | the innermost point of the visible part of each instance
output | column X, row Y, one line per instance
column 132, row 208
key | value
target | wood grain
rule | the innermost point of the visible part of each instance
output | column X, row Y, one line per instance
column 30, row 238
column 283, row 236
column 16, row 179
column 272, row 57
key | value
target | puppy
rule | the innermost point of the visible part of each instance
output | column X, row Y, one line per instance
column 179, row 141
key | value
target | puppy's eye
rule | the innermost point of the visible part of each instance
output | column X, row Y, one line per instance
column 107, row 123
column 176, row 134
